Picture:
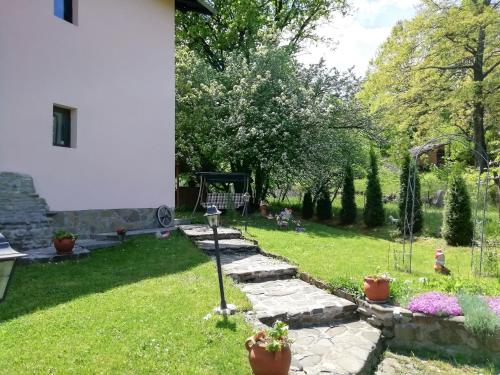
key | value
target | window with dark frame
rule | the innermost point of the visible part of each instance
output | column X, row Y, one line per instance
column 61, row 127
column 64, row 9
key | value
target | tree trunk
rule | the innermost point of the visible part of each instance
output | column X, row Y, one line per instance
column 478, row 106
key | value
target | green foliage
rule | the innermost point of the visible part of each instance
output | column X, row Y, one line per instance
column 405, row 203
column 276, row 337
column 457, row 222
column 349, row 209
column 373, row 214
column 63, row 234
column 307, row 206
column 438, row 73
column 479, row 318
column 324, row 205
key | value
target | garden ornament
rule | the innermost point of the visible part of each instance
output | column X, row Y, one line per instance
column 439, row 263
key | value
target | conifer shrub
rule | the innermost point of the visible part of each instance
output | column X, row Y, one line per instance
column 348, row 210
column 409, row 168
column 457, row 222
column 324, row 206
column 307, row 206
column 373, row 214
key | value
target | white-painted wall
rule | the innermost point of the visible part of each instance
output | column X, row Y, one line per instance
column 117, row 68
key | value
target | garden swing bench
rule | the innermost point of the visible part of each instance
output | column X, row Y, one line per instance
column 222, row 200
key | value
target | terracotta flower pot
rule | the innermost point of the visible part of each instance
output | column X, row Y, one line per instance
column 264, row 362
column 377, row 289
column 64, row 245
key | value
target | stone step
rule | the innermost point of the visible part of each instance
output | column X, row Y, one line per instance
column 97, row 244
column 131, row 233
column 296, row 302
column 340, row 349
column 251, row 267
column 49, row 254
column 204, row 232
column 234, row 244
column 178, row 222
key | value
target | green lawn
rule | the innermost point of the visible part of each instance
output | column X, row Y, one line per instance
column 138, row 308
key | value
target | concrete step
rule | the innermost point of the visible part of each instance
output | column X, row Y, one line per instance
column 252, row 267
column 235, row 245
column 178, row 222
column 49, row 255
column 204, row 232
column 296, row 302
column 112, row 236
column 340, row 349
column 91, row 244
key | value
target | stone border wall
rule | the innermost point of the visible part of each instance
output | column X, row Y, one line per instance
column 89, row 222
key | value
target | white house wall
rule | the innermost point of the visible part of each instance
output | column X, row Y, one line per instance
column 116, row 67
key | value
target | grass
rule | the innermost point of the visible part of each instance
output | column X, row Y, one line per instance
column 137, row 308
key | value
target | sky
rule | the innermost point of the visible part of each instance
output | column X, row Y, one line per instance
column 357, row 36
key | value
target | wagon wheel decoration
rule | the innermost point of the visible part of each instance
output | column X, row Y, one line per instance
column 165, row 216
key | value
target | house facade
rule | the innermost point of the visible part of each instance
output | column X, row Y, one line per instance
column 87, row 109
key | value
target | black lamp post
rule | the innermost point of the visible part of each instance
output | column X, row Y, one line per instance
column 8, row 258
column 213, row 218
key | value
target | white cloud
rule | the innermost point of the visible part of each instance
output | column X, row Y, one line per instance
column 358, row 35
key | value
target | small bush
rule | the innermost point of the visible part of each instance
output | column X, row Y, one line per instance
column 324, row 206
column 348, row 210
column 457, row 223
column 480, row 319
column 374, row 208
column 307, row 206
column 405, row 203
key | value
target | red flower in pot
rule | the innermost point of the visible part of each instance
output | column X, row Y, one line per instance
column 121, row 232
column 64, row 241
column 269, row 350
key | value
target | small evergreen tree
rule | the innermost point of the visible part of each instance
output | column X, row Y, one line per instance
column 374, row 208
column 457, row 222
column 307, row 206
column 324, row 206
column 404, row 206
column 348, row 210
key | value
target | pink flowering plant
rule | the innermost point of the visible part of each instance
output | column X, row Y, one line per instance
column 494, row 304
column 435, row 303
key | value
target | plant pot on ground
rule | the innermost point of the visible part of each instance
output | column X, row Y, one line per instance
column 269, row 350
column 121, row 232
column 64, row 241
column 377, row 288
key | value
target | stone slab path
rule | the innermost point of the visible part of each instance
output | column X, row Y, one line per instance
column 327, row 340
column 235, row 244
column 342, row 349
column 204, row 232
column 252, row 267
column 296, row 302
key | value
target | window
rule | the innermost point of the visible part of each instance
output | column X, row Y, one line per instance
column 62, row 127
column 64, row 10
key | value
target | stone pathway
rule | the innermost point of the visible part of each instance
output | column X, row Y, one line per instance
column 296, row 302
column 327, row 340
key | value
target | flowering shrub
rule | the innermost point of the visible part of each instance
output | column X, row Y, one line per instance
column 494, row 304
column 435, row 303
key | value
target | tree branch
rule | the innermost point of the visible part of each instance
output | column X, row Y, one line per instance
column 485, row 74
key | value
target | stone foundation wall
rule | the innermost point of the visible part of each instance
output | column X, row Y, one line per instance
column 89, row 222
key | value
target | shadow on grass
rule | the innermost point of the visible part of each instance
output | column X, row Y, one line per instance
column 39, row 286
column 225, row 323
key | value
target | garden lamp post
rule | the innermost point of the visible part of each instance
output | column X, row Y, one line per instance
column 8, row 257
column 246, row 199
column 213, row 218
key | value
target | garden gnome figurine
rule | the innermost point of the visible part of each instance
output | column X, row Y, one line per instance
column 439, row 263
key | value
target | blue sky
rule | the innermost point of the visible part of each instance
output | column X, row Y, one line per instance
column 354, row 39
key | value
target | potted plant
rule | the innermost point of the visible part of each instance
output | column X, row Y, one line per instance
column 64, row 241
column 269, row 350
column 121, row 232
column 377, row 288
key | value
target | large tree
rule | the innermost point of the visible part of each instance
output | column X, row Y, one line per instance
column 440, row 71
column 240, row 25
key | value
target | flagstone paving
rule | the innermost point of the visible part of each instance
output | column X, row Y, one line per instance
column 204, row 232
column 296, row 302
column 235, row 244
column 342, row 349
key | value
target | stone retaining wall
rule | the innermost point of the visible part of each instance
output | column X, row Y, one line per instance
column 90, row 222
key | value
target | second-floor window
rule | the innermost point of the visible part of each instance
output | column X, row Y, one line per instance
column 64, row 10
